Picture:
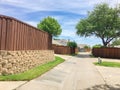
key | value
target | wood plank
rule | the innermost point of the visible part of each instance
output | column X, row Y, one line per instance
column 3, row 36
column 8, row 37
column 0, row 31
column 12, row 35
column 16, row 35
column 27, row 37
column 20, row 31
column 23, row 37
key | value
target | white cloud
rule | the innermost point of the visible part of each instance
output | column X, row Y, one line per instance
column 89, row 40
column 79, row 7
column 71, row 22
column 3, row 10
column 75, row 6
column 33, row 23
column 58, row 18
column 11, row 1
column 70, row 33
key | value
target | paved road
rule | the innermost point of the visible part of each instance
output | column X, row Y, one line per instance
column 76, row 73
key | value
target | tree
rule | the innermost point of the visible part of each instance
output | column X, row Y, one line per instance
column 103, row 22
column 116, row 42
column 50, row 25
column 72, row 44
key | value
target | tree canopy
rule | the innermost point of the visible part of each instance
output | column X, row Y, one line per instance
column 72, row 44
column 116, row 42
column 103, row 22
column 50, row 25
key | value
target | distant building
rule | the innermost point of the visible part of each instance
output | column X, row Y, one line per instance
column 81, row 47
column 61, row 42
column 118, row 46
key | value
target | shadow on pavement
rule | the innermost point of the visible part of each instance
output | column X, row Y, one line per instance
column 104, row 87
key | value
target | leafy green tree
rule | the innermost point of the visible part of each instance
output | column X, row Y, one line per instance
column 116, row 42
column 103, row 22
column 72, row 44
column 50, row 25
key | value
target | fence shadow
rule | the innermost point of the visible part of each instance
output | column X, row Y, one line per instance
column 104, row 87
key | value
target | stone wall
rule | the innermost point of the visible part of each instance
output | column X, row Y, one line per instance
column 13, row 62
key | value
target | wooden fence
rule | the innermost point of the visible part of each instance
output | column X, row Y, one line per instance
column 106, row 52
column 64, row 49
column 17, row 35
column 76, row 50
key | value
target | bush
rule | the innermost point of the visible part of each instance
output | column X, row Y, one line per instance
column 97, row 46
column 86, row 47
column 72, row 44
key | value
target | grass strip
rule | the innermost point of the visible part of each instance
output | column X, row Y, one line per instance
column 33, row 73
column 108, row 64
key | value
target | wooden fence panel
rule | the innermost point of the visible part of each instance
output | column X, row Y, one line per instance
column 3, row 34
column 0, row 31
column 106, row 52
column 8, row 41
column 17, row 35
column 63, row 49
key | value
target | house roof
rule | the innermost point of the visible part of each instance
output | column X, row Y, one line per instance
column 81, row 45
column 62, row 42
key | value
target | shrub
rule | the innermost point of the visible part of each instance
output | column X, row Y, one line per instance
column 72, row 44
column 86, row 47
column 97, row 46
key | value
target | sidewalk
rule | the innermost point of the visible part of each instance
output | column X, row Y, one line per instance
column 10, row 85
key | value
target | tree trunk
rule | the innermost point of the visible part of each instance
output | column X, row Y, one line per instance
column 104, row 43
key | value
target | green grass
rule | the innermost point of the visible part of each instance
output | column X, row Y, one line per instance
column 33, row 73
column 108, row 64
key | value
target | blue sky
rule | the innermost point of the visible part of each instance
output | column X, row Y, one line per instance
column 67, row 12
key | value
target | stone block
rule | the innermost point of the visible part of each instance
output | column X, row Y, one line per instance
column 10, row 72
column 0, row 57
column 9, row 65
column 3, row 53
column 4, row 63
column 19, row 53
column 20, row 61
column 4, row 71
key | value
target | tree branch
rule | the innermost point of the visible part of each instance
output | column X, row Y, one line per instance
column 110, row 39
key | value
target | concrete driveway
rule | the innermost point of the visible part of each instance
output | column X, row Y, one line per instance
column 76, row 73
